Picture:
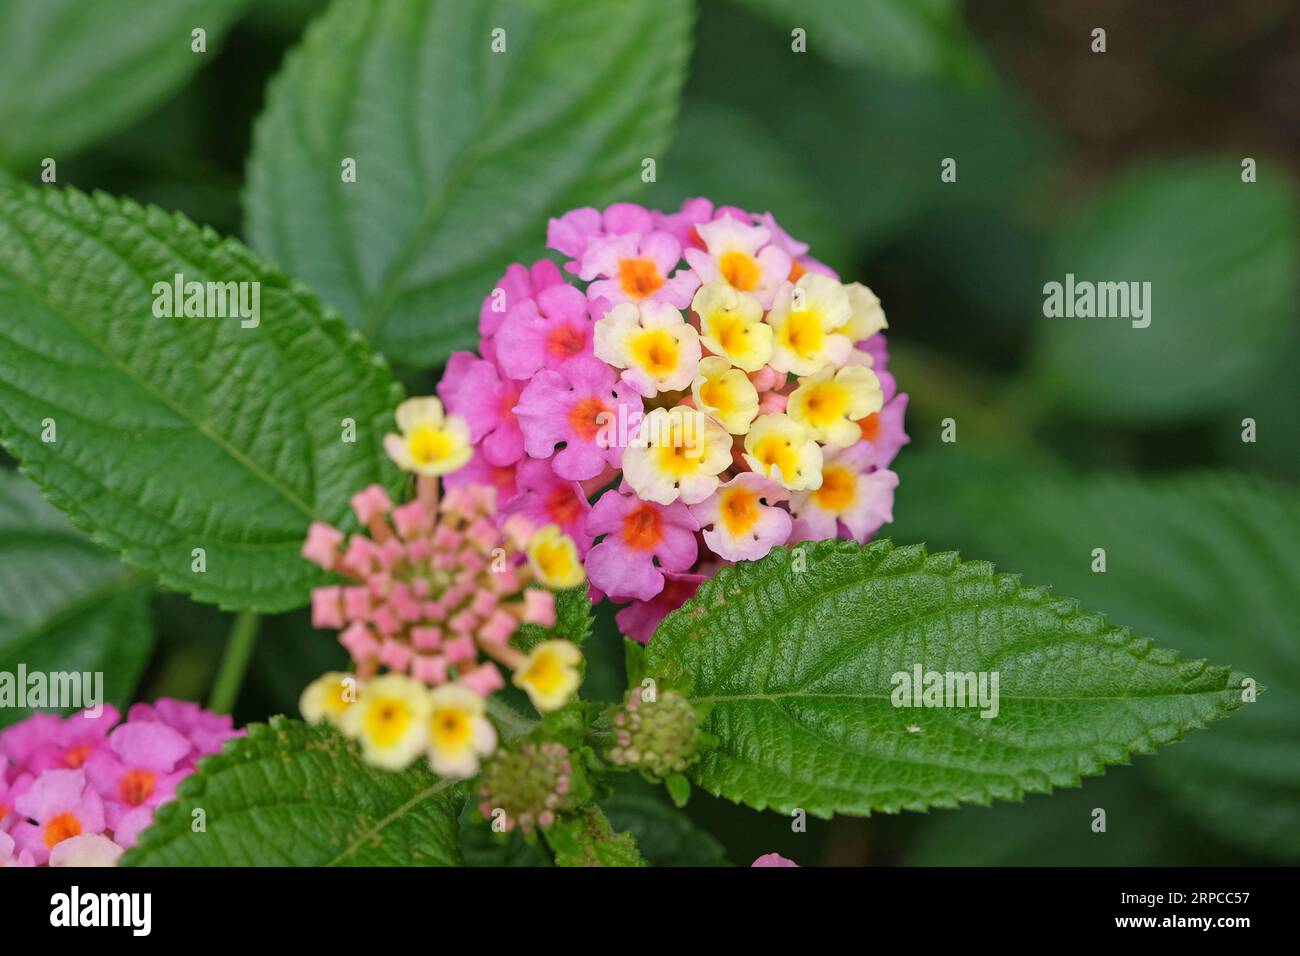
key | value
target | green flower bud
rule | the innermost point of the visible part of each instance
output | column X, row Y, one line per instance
column 660, row 737
column 532, row 782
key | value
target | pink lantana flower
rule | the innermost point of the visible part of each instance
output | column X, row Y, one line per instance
column 139, row 770
column 549, row 331
column 480, row 471
column 207, row 732
column 642, row 540
column 741, row 255
column 883, row 430
column 519, row 283
column 740, row 521
column 546, row 498
column 12, row 785
column 63, row 806
column 571, row 233
column 632, row 268
column 640, row 619
column 582, row 407
column 475, row 389
column 89, row 849
column 9, row 854
column 773, row 859
column 45, row 742
column 851, row 496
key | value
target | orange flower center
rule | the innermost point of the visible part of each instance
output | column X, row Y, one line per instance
column 639, row 277
column 870, row 426
column 837, row 490
column 796, row 270
column 136, row 786
column 739, row 269
column 75, row 757
column 562, row 506
column 643, row 528
column 565, row 341
column 61, row 827
column 585, row 417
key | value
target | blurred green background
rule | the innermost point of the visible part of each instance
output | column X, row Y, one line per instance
column 1071, row 434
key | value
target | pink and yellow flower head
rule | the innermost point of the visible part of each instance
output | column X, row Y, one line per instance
column 76, row 791
column 689, row 388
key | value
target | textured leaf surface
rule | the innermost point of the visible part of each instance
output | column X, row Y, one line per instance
column 74, row 70
column 907, row 37
column 290, row 794
column 573, row 621
column 797, row 666
column 179, row 433
column 1215, row 250
column 665, row 835
column 65, row 605
column 587, row 839
column 1205, row 563
column 461, row 153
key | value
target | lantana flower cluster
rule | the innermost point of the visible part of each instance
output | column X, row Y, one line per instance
column 688, row 389
column 77, row 791
column 435, row 589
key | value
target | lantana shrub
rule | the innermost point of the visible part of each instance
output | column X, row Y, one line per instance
column 682, row 413
column 686, row 390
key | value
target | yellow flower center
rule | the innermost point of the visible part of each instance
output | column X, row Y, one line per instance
column 837, row 490
column 554, row 559
column 828, row 402
column 428, row 444
column 779, row 453
column 739, row 510
column 803, row 333
column 731, row 332
column 546, row 674
column 639, row 277
column 452, row 730
column 656, row 351
column 740, row 270
column 717, row 394
column 387, row 721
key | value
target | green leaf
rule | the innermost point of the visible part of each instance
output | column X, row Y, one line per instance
column 180, row 433
column 289, row 794
column 65, row 605
column 461, row 153
column 587, row 839
column 481, row 847
column 797, row 668
column 905, row 37
column 573, row 621
column 72, row 71
column 1207, row 563
column 1222, row 257
column 664, row 834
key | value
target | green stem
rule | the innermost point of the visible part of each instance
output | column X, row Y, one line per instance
column 234, row 663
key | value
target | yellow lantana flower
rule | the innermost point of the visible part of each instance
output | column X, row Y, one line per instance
column 652, row 342
column 389, row 721
column 430, row 442
column 804, row 320
column 553, row 556
column 725, row 393
column 676, row 453
column 778, row 447
column 328, row 696
column 459, row 732
column 829, row 403
column 732, row 326
column 867, row 317
column 550, row 674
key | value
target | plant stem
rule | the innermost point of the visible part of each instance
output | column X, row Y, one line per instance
column 234, row 663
